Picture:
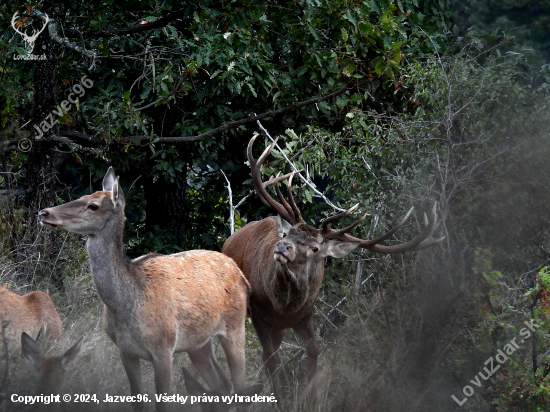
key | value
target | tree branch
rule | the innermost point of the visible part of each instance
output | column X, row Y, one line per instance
column 231, row 207
column 198, row 138
column 176, row 88
column 163, row 21
column 52, row 30
column 237, row 123
column 82, row 137
column 305, row 180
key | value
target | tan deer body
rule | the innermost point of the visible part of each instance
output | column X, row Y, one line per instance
column 30, row 313
column 189, row 297
column 158, row 305
column 284, row 264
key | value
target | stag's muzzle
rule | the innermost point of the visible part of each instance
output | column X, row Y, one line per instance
column 283, row 252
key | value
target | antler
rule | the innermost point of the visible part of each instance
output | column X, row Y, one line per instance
column 424, row 240
column 24, row 35
column 288, row 211
column 36, row 33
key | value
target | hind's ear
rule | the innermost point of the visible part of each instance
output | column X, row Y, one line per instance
column 109, row 180
column 117, row 195
column 30, row 350
column 111, row 184
column 71, row 354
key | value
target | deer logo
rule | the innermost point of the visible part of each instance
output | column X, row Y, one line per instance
column 26, row 38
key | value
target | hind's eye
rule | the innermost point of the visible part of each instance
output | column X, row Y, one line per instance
column 284, row 234
column 93, row 207
column 315, row 249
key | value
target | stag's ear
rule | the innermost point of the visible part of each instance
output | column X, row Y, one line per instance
column 282, row 226
column 340, row 249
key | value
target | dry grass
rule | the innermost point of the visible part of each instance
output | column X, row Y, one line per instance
column 364, row 365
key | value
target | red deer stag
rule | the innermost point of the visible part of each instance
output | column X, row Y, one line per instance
column 32, row 313
column 284, row 264
column 51, row 369
column 157, row 305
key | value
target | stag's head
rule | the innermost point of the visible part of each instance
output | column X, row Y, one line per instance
column 89, row 214
column 302, row 244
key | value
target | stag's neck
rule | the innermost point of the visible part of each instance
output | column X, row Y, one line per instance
column 111, row 271
column 295, row 288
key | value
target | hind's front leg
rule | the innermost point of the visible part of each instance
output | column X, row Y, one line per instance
column 132, row 367
column 162, row 366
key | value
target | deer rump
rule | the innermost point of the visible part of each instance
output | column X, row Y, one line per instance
column 33, row 313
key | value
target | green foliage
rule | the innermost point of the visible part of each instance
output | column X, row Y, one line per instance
column 518, row 386
column 480, row 121
column 526, row 21
column 218, row 62
column 544, row 277
column 477, row 143
column 141, row 241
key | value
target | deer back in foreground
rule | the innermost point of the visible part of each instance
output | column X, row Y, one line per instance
column 158, row 305
column 195, row 388
column 51, row 369
column 32, row 313
column 284, row 263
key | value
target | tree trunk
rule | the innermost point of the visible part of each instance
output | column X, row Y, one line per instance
column 40, row 166
column 40, row 173
column 166, row 203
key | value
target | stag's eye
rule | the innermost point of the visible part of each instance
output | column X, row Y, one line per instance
column 93, row 207
column 315, row 249
column 284, row 234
